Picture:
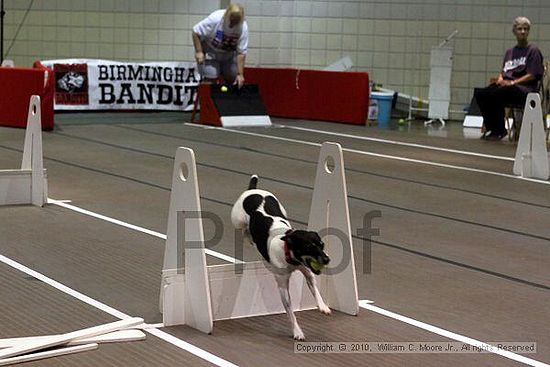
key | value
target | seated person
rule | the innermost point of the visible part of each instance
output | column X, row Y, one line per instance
column 522, row 69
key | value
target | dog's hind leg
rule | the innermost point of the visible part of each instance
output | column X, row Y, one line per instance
column 312, row 284
column 283, row 281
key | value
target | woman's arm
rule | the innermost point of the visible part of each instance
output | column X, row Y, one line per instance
column 199, row 55
column 241, row 58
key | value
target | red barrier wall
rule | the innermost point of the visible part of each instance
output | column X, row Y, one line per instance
column 313, row 94
column 17, row 85
column 209, row 113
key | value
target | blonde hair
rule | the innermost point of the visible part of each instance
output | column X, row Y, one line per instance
column 233, row 9
column 522, row 21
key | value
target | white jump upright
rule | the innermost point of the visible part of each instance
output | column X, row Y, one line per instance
column 531, row 154
column 27, row 185
column 185, row 295
column 329, row 216
column 197, row 294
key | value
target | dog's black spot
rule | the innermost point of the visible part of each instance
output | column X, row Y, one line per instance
column 272, row 207
column 259, row 229
column 252, row 203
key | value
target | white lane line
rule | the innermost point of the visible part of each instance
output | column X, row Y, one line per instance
column 449, row 334
column 63, row 204
column 206, row 127
column 395, row 142
column 116, row 313
column 378, row 155
column 151, row 326
column 105, row 218
column 190, row 348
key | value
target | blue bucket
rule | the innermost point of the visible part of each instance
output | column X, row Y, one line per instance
column 384, row 101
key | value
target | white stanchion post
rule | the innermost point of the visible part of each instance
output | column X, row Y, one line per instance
column 329, row 215
column 185, row 293
column 32, row 152
column 531, row 154
column 29, row 184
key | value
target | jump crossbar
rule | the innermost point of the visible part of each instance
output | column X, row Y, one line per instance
column 196, row 294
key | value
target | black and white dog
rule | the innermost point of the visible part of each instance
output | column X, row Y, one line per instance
column 263, row 221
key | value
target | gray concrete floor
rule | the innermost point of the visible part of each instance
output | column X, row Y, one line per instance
column 463, row 244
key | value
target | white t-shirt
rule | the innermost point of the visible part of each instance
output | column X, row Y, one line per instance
column 221, row 38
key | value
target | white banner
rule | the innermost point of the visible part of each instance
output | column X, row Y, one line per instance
column 85, row 84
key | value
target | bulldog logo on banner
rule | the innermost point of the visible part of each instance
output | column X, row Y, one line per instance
column 71, row 82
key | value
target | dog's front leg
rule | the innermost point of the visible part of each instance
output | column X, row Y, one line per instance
column 282, row 282
column 312, row 284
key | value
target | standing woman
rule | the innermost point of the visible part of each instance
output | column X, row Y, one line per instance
column 522, row 68
column 221, row 41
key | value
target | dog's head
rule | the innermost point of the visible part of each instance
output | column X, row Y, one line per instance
column 308, row 249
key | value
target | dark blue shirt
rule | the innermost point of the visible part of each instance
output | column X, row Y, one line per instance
column 519, row 61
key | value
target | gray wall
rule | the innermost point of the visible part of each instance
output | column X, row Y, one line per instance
column 390, row 39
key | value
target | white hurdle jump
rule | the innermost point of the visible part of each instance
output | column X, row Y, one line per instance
column 29, row 184
column 531, row 154
column 197, row 295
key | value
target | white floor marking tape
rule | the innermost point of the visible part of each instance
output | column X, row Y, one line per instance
column 395, row 142
column 362, row 152
column 151, row 326
column 63, row 204
column 448, row 334
column 114, row 312
column 443, row 165
column 191, row 348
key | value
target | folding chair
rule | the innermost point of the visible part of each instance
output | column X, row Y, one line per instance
column 545, row 97
column 513, row 115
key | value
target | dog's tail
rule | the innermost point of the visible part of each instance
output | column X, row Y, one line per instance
column 253, row 182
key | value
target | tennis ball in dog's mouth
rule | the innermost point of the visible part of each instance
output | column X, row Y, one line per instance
column 316, row 266
column 223, row 88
